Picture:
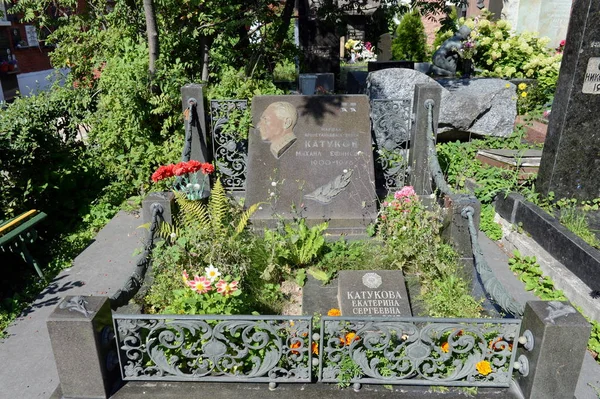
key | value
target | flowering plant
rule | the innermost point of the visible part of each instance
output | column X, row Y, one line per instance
column 187, row 178
column 359, row 51
column 210, row 293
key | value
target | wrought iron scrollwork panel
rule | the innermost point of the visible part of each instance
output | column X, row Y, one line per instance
column 225, row 348
column 391, row 121
column 418, row 351
column 230, row 151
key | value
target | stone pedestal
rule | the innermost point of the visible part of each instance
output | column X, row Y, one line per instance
column 80, row 330
column 560, row 335
column 571, row 157
column 166, row 199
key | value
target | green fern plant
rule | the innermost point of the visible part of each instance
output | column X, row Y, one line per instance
column 216, row 216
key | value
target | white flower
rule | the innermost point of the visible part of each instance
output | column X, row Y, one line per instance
column 345, row 170
column 212, row 273
column 359, row 153
column 272, row 194
column 196, row 186
column 273, row 183
column 189, row 185
column 173, row 236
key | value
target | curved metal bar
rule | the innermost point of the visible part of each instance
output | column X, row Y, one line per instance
column 434, row 166
column 491, row 284
column 134, row 282
column 190, row 116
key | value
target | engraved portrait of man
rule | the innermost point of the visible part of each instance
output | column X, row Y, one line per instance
column 276, row 126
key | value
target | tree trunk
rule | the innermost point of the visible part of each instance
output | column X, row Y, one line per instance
column 152, row 33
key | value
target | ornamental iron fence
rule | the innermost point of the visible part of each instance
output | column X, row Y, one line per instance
column 214, row 348
column 391, row 124
column 418, row 351
column 230, row 149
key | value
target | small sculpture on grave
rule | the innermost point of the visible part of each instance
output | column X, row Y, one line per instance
column 446, row 58
column 276, row 126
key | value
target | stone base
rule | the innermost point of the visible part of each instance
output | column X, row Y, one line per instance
column 191, row 390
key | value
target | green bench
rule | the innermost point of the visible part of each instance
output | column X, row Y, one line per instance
column 19, row 231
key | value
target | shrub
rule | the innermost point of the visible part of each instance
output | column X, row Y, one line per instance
column 501, row 53
column 43, row 165
column 410, row 42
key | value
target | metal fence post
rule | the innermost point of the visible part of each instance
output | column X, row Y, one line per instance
column 554, row 337
column 420, row 175
column 82, row 338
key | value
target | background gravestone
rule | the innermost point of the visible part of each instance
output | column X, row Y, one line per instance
column 571, row 157
column 549, row 18
column 375, row 293
column 326, row 174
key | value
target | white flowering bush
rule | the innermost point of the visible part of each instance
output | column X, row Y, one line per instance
column 504, row 54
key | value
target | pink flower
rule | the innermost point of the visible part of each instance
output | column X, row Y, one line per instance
column 200, row 284
column 186, row 277
column 225, row 288
column 405, row 193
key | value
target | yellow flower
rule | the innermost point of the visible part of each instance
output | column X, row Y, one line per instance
column 483, row 367
column 522, row 86
column 445, row 347
column 334, row 312
column 506, row 85
column 524, row 94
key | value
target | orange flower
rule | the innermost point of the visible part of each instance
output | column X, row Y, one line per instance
column 295, row 345
column 483, row 367
column 349, row 338
column 445, row 347
column 495, row 341
column 334, row 312
column 315, row 348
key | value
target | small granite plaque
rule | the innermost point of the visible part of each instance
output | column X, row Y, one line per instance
column 377, row 293
column 311, row 156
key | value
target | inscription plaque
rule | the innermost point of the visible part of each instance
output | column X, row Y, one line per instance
column 591, row 81
column 310, row 156
column 377, row 293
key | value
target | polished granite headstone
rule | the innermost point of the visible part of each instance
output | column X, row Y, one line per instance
column 374, row 293
column 571, row 158
column 322, row 170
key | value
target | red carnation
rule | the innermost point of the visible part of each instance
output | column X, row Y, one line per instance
column 194, row 166
column 207, row 168
column 181, row 169
column 162, row 173
column 169, row 172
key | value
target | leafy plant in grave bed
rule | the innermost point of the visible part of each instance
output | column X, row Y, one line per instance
column 209, row 251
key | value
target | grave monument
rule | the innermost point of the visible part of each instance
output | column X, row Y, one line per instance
column 310, row 156
column 571, row 157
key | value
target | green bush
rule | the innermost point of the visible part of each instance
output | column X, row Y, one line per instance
column 410, row 42
column 501, row 53
column 44, row 166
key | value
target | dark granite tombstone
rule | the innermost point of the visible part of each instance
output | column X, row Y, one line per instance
column 571, row 158
column 320, row 168
column 373, row 293
column 318, row 39
column 80, row 330
column 356, row 82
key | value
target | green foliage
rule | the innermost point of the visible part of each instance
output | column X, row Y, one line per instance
column 349, row 370
column 187, row 301
column 450, row 296
column 487, row 223
column 574, row 218
column 529, row 272
column 410, row 42
column 43, row 165
column 285, row 70
column 298, row 245
column 501, row 53
column 413, row 244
